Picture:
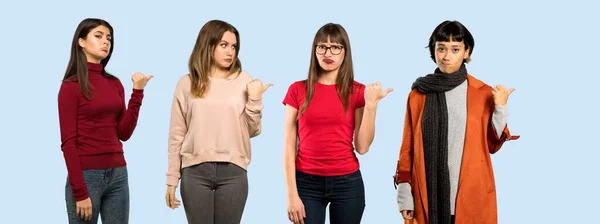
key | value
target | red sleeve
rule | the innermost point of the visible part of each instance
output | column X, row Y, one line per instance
column 68, row 105
column 129, row 116
column 360, row 98
column 291, row 97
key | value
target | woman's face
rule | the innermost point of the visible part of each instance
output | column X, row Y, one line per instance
column 449, row 55
column 96, row 45
column 224, row 53
column 330, row 55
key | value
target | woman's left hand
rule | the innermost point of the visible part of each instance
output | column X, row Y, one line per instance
column 140, row 80
column 256, row 89
column 501, row 94
column 374, row 93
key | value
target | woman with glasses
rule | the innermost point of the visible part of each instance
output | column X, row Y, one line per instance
column 453, row 123
column 326, row 114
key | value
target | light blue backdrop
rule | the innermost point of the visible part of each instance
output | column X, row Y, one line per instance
column 547, row 51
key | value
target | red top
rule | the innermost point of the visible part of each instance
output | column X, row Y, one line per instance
column 325, row 130
column 92, row 130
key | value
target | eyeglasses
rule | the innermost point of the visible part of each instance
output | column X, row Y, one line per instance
column 335, row 50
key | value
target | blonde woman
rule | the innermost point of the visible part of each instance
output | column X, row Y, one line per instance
column 216, row 110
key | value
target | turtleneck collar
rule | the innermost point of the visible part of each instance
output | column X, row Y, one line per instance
column 94, row 68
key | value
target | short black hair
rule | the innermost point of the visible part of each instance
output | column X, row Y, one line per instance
column 451, row 29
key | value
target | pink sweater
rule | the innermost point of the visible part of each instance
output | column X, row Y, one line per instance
column 215, row 128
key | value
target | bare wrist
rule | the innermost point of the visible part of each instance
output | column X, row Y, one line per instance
column 293, row 194
column 254, row 98
column 371, row 106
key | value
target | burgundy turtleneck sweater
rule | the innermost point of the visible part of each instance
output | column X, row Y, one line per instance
column 92, row 130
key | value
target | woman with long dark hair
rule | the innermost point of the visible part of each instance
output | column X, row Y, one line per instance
column 93, row 122
column 328, row 117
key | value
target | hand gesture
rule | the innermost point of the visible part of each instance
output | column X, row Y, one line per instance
column 501, row 94
column 140, row 80
column 256, row 89
column 374, row 93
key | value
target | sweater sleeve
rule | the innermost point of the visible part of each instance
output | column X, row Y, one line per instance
column 496, row 132
column 499, row 119
column 68, row 104
column 177, row 131
column 129, row 115
column 404, row 197
column 253, row 112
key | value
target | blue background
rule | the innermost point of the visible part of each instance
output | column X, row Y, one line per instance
column 547, row 50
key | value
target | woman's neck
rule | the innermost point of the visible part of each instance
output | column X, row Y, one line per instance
column 219, row 73
column 328, row 78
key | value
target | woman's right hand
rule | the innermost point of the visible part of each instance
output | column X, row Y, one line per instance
column 296, row 212
column 84, row 209
column 407, row 214
column 172, row 201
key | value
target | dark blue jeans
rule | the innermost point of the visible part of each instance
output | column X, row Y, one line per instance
column 109, row 191
column 345, row 196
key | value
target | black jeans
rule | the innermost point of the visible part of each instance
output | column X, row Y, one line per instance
column 345, row 193
column 214, row 192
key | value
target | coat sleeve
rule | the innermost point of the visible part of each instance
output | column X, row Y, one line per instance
column 405, row 158
column 495, row 140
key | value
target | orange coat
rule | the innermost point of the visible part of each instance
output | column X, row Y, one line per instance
column 476, row 199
